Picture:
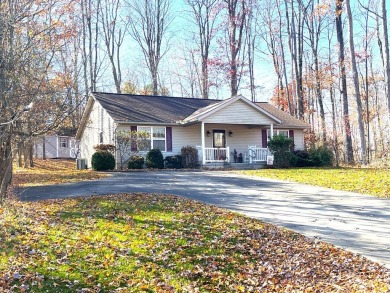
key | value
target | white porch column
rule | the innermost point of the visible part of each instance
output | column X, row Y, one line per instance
column 272, row 131
column 203, row 144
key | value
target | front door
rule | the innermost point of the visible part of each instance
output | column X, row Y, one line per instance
column 219, row 139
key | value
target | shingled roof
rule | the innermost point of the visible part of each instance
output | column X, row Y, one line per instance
column 151, row 109
column 172, row 110
column 286, row 119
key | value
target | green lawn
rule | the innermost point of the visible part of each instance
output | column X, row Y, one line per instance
column 363, row 180
column 156, row 243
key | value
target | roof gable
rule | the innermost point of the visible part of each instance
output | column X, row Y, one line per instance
column 226, row 109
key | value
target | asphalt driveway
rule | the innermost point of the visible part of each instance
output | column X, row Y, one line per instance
column 356, row 222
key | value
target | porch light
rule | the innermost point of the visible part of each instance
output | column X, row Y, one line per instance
column 208, row 133
column 230, row 133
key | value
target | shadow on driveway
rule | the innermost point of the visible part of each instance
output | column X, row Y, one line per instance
column 356, row 222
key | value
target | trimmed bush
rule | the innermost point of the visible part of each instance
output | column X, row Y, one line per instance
column 189, row 156
column 154, row 159
column 321, row 156
column 303, row 159
column 173, row 162
column 136, row 162
column 280, row 146
column 102, row 161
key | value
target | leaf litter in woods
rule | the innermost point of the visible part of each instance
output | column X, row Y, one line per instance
column 47, row 172
column 162, row 243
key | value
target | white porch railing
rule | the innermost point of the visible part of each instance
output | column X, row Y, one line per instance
column 257, row 154
column 217, row 155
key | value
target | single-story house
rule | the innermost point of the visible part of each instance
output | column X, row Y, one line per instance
column 218, row 128
column 61, row 144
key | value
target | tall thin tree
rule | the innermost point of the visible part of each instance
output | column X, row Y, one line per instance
column 343, row 79
column 356, row 84
column 149, row 27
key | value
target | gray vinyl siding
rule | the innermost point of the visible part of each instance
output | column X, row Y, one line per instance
column 239, row 113
column 299, row 139
column 242, row 137
column 99, row 122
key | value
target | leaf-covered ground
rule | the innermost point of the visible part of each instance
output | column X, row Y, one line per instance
column 46, row 172
column 158, row 243
column 363, row 180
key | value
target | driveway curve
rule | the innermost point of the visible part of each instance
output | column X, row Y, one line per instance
column 357, row 222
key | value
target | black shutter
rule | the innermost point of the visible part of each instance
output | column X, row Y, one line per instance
column 133, row 141
column 264, row 138
column 169, row 138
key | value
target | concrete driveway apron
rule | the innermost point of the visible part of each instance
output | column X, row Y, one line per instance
column 359, row 223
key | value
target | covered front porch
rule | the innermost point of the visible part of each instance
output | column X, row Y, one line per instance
column 230, row 143
column 235, row 130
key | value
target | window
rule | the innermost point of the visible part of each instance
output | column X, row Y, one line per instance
column 156, row 140
column 101, row 137
column 64, row 142
column 277, row 132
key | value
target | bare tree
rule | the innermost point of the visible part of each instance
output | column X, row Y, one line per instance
column 237, row 11
column 387, row 53
column 314, row 22
column 90, row 17
column 343, row 79
column 356, row 84
column 149, row 26
column 204, row 13
column 113, row 28
column 31, row 39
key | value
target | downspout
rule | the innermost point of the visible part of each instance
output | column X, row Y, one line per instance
column 58, row 145
column 116, row 152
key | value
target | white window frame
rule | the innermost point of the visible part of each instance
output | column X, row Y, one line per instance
column 277, row 132
column 63, row 142
column 152, row 139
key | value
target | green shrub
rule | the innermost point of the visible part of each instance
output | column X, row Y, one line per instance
column 154, row 159
column 280, row 146
column 303, row 159
column 280, row 143
column 103, row 160
column 173, row 162
column 136, row 162
column 285, row 159
column 189, row 156
column 321, row 156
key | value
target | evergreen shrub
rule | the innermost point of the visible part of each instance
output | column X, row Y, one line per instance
column 136, row 162
column 154, row 159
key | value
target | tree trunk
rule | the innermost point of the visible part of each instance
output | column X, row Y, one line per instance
column 357, row 86
column 43, row 148
column 387, row 53
column 347, row 125
column 5, row 160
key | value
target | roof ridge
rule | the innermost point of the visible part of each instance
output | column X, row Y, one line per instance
column 157, row 96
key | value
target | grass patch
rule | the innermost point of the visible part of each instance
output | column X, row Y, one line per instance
column 47, row 172
column 363, row 180
column 156, row 243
